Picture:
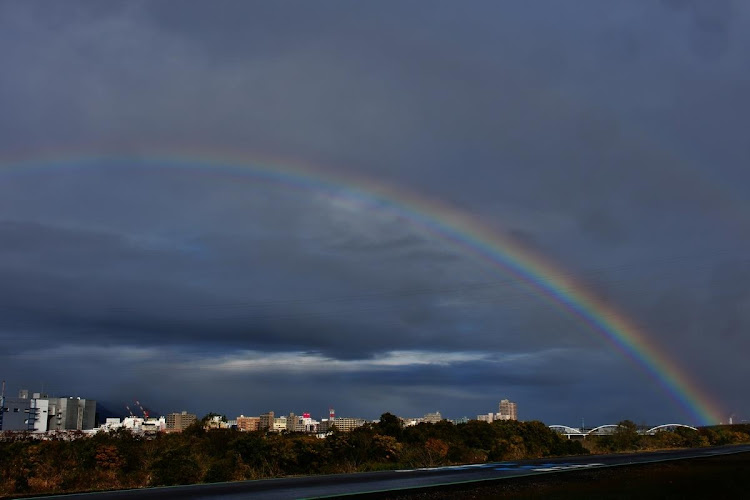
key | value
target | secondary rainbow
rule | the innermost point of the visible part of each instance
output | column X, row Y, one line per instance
column 558, row 288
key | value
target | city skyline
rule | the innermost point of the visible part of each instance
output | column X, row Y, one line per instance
column 507, row 410
column 135, row 407
column 378, row 207
column 40, row 413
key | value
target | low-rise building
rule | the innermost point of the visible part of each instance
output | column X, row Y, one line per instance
column 343, row 424
column 409, row 421
column 248, row 424
column 279, row 424
column 217, row 422
column 432, row 418
column 136, row 425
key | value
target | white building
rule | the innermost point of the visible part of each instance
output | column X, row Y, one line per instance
column 432, row 418
column 507, row 410
column 40, row 410
column 279, row 424
column 41, row 413
column 136, row 425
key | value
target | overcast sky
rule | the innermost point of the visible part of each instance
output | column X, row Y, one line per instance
column 610, row 137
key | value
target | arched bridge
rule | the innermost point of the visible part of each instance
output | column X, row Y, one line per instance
column 667, row 427
column 609, row 429
column 567, row 431
column 603, row 430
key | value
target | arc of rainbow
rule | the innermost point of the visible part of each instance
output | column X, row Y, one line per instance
column 544, row 278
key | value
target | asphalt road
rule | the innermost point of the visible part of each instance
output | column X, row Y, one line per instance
column 348, row 484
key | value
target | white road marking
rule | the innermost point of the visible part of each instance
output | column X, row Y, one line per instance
column 565, row 467
column 503, row 466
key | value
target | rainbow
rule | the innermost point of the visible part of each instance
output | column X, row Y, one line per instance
column 538, row 273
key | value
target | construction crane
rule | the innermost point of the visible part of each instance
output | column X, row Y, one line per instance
column 145, row 412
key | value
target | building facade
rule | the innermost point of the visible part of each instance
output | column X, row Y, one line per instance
column 248, row 424
column 279, row 424
column 16, row 414
column 178, row 422
column 71, row 414
column 343, row 424
column 266, row 421
column 507, row 410
column 432, row 418
column 41, row 413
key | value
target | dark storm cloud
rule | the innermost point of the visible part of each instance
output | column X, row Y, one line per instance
column 608, row 138
column 710, row 27
column 410, row 377
column 153, row 290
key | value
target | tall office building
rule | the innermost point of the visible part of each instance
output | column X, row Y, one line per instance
column 71, row 413
column 178, row 422
column 266, row 421
column 507, row 410
column 41, row 413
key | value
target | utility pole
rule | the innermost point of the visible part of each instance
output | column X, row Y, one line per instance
column 2, row 405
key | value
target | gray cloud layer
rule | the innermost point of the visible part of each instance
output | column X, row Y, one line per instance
column 609, row 137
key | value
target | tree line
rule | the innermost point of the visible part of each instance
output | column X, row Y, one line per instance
column 120, row 459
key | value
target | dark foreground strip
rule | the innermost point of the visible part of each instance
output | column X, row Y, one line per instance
column 364, row 484
column 713, row 476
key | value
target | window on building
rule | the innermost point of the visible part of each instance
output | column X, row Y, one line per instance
column 15, row 410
